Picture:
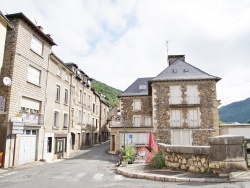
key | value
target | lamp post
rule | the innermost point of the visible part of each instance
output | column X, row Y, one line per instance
column 124, row 119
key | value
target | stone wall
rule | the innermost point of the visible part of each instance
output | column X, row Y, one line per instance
column 225, row 154
column 127, row 108
column 208, row 118
column 188, row 158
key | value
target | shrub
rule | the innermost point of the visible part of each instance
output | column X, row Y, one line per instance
column 158, row 161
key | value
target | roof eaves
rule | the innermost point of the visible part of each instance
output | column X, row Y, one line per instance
column 22, row 16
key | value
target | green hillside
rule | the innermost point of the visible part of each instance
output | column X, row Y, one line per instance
column 110, row 93
column 236, row 112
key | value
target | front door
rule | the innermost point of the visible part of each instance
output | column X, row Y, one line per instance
column 59, row 148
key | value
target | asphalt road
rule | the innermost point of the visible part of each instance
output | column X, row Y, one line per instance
column 93, row 168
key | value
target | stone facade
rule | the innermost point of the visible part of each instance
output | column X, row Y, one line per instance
column 208, row 119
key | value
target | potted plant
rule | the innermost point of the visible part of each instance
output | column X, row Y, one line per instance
column 129, row 152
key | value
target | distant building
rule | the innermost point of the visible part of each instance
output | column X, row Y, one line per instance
column 179, row 106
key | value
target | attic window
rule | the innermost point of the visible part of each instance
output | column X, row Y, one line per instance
column 174, row 70
column 142, row 86
column 186, row 70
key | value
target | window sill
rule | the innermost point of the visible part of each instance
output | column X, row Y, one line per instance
column 57, row 102
column 33, row 84
column 40, row 55
column 65, row 104
column 55, row 128
column 65, row 128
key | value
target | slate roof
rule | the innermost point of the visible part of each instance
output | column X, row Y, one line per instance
column 180, row 70
column 134, row 88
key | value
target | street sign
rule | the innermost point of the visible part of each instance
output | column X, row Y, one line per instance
column 18, row 124
column 130, row 136
column 16, row 119
column 14, row 131
column 2, row 103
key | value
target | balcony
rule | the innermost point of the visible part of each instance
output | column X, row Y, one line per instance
column 32, row 118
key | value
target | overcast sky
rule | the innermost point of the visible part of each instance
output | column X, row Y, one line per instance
column 118, row 41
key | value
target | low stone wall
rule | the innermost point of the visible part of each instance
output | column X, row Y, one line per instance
column 225, row 154
column 188, row 158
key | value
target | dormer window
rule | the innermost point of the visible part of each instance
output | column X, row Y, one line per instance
column 142, row 86
column 174, row 70
column 186, row 70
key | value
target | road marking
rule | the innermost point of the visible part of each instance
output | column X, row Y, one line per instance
column 98, row 177
column 8, row 174
column 118, row 177
column 236, row 175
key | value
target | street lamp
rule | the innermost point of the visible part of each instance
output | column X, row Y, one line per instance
column 124, row 118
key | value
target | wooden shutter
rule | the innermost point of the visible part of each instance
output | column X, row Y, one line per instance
column 193, row 119
column 175, row 118
column 175, row 95
column 192, row 94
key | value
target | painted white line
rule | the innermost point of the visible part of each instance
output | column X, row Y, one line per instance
column 8, row 174
column 98, row 177
column 236, row 175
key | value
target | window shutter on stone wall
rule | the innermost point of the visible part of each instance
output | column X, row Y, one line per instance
column 175, row 95
column 175, row 118
column 193, row 120
column 192, row 94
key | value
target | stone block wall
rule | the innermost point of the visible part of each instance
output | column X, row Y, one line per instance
column 127, row 108
column 208, row 120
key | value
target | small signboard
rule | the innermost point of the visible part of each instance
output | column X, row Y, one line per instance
column 15, row 131
column 130, row 136
column 16, row 119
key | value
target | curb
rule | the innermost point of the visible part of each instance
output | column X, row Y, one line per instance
column 165, row 178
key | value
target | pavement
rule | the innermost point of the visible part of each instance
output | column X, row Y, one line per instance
column 141, row 170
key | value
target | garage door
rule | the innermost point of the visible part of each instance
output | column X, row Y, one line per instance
column 28, row 146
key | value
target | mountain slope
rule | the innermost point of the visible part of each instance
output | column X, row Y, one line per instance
column 110, row 93
column 236, row 112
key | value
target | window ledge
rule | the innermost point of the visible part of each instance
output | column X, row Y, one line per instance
column 33, row 84
column 65, row 128
column 55, row 128
column 57, row 102
column 40, row 55
column 65, row 104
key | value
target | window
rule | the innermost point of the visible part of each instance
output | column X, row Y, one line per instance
column 89, row 101
column 142, row 87
column 193, row 120
column 65, row 120
column 84, row 118
column 137, row 105
column 36, row 45
column 79, row 117
column 56, row 118
column 49, row 145
column 181, row 137
column 85, row 98
column 147, row 121
column 59, row 71
column 192, row 94
column 80, row 96
column 93, row 108
column 137, row 121
column 175, row 118
column 58, row 93
column 97, row 109
column 93, row 121
column 34, row 75
column 67, row 77
column 66, row 96
column 175, row 95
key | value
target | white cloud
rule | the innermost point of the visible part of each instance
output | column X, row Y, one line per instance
column 118, row 41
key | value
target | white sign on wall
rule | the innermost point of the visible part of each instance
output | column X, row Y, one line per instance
column 2, row 103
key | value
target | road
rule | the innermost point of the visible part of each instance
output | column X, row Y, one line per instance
column 93, row 168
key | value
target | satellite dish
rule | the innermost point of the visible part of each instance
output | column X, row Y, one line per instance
column 7, row 81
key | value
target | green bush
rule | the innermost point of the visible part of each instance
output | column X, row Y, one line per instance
column 158, row 161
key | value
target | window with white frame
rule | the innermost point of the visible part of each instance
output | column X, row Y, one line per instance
column 59, row 71
column 192, row 94
column 147, row 121
column 137, row 121
column 67, row 77
column 137, row 104
column 175, row 118
column 79, row 117
column 175, row 95
column 89, row 101
column 181, row 137
column 193, row 118
column 65, row 120
column 84, row 118
column 66, row 96
column 58, row 89
column 36, row 45
column 56, row 119
column 34, row 75
column 85, row 98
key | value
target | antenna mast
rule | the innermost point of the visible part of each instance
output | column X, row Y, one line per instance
column 167, row 49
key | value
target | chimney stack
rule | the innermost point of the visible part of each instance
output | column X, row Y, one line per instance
column 172, row 58
column 40, row 27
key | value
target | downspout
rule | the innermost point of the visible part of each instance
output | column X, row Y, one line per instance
column 70, row 104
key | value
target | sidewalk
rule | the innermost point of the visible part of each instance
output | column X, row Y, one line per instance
column 141, row 170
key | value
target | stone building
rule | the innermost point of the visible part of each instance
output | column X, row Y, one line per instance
column 26, row 62
column 179, row 105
